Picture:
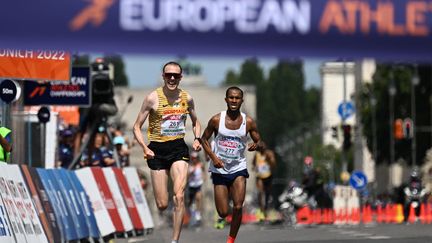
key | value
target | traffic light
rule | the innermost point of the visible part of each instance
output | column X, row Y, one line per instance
column 398, row 129
column 408, row 128
column 334, row 132
column 347, row 137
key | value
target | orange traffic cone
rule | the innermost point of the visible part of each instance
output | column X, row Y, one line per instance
column 304, row 216
column 412, row 215
column 325, row 216
column 389, row 213
column 367, row 214
column 355, row 216
column 331, row 217
column 423, row 216
column 428, row 213
column 339, row 217
column 380, row 214
column 343, row 216
column 317, row 216
column 399, row 217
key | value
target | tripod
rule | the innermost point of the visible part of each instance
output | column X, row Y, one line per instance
column 94, row 126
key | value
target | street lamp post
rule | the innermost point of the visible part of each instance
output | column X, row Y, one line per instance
column 373, row 102
column 392, row 93
column 414, row 82
column 343, row 155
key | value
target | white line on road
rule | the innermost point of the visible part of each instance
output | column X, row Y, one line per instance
column 379, row 237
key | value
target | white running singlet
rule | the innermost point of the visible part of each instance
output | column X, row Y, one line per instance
column 230, row 146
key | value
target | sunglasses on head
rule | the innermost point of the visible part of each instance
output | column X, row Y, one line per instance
column 175, row 75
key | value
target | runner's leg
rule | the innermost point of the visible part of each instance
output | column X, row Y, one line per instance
column 221, row 200
column 178, row 173
column 261, row 202
column 238, row 191
column 159, row 183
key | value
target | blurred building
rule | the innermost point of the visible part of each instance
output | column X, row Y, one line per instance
column 339, row 81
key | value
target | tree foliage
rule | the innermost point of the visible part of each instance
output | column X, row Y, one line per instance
column 286, row 110
column 401, row 75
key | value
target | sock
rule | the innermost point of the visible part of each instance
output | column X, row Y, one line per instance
column 230, row 239
column 174, row 241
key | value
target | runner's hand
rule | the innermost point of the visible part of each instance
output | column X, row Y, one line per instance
column 252, row 146
column 196, row 145
column 148, row 154
column 218, row 163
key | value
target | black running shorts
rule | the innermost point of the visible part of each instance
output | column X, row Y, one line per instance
column 228, row 179
column 166, row 153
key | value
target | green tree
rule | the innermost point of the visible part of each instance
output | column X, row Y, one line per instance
column 120, row 77
column 286, row 111
column 401, row 75
column 284, row 101
column 231, row 78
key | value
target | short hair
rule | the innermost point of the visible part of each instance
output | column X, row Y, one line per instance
column 172, row 63
column 233, row 88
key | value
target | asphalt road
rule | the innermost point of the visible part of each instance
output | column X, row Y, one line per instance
column 277, row 234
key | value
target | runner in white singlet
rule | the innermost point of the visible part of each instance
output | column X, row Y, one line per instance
column 228, row 164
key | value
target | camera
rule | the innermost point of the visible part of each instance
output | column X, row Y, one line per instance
column 102, row 83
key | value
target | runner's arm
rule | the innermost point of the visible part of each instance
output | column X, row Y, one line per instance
column 196, row 125
column 253, row 132
column 210, row 129
column 146, row 107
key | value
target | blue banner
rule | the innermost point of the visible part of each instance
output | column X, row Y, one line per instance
column 51, row 196
column 74, row 92
column 71, row 201
column 51, row 216
column 55, row 193
column 85, row 204
column 283, row 28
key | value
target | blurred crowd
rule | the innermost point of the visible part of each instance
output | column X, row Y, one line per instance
column 99, row 152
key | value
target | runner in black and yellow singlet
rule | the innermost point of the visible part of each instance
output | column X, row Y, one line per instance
column 263, row 164
column 167, row 154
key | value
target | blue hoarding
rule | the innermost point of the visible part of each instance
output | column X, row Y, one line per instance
column 84, row 202
column 55, row 195
column 71, row 201
column 284, row 28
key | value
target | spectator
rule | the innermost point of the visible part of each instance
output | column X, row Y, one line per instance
column 122, row 151
column 196, row 177
column 98, row 154
column 143, row 179
column 6, row 144
column 65, row 149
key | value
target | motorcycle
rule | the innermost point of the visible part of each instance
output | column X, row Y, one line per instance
column 291, row 200
column 414, row 195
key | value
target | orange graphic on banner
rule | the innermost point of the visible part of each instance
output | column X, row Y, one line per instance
column 35, row 65
column 37, row 91
column 95, row 13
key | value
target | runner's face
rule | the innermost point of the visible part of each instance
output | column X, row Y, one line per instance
column 172, row 76
column 234, row 100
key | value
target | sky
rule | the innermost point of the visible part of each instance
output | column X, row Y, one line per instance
column 144, row 71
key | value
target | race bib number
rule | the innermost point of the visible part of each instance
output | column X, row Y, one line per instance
column 263, row 169
column 229, row 150
column 173, row 125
